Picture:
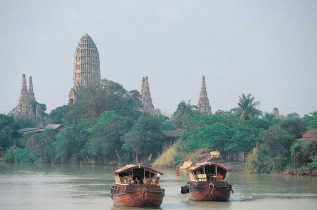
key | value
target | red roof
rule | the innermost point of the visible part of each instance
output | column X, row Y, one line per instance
column 130, row 167
column 310, row 135
column 199, row 166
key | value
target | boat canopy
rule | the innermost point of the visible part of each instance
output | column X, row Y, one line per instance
column 131, row 167
column 201, row 165
column 207, row 171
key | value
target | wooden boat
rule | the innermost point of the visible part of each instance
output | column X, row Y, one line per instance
column 207, row 183
column 137, row 186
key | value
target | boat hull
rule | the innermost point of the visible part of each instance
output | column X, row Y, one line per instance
column 207, row 191
column 137, row 196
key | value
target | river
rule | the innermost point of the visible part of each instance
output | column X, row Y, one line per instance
column 78, row 187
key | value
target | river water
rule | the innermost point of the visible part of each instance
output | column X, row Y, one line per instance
column 88, row 187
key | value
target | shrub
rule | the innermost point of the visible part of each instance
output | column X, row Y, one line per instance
column 16, row 155
column 313, row 165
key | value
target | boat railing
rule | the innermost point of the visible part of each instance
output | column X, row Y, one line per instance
column 201, row 177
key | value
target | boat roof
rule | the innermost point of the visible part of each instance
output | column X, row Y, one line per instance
column 200, row 165
column 131, row 166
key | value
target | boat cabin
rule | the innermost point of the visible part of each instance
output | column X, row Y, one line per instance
column 137, row 174
column 206, row 171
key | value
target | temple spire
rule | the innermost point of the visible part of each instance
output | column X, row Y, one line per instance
column 146, row 100
column 24, row 88
column 31, row 93
column 86, row 66
column 26, row 107
column 203, row 101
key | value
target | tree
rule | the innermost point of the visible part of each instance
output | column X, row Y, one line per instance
column 145, row 139
column 8, row 131
column 108, row 137
column 275, row 149
column 296, row 127
column 165, row 122
column 246, row 135
column 56, row 116
column 292, row 115
column 313, row 123
column 183, row 113
column 40, row 146
column 70, row 142
column 247, row 108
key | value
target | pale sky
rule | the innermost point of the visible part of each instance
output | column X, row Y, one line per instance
column 267, row 48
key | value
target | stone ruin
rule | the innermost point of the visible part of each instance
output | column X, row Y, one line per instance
column 146, row 100
column 276, row 113
column 203, row 101
column 28, row 107
column 86, row 66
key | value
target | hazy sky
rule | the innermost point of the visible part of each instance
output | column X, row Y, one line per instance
column 267, row 48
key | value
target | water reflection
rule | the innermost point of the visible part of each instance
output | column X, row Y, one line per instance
column 88, row 187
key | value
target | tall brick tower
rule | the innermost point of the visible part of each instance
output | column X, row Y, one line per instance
column 86, row 66
column 146, row 100
column 28, row 107
column 203, row 101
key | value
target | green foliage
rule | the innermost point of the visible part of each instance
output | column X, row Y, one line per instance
column 247, row 108
column 251, row 161
column 246, row 135
column 145, row 138
column 292, row 115
column 296, row 127
column 22, row 122
column 107, row 96
column 185, row 111
column 16, row 155
column 70, row 141
column 313, row 123
column 108, row 137
column 56, row 116
column 274, row 149
column 222, row 131
column 7, row 131
column 166, row 123
column 40, row 146
column 307, row 119
column 313, row 165
column 304, row 150
column 271, row 118
column 105, row 117
column 213, row 136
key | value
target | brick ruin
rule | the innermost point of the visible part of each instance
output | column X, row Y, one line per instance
column 28, row 107
column 87, row 71
column 86, row 66
column 276, row 113
column 146, row 100
column 203, row 101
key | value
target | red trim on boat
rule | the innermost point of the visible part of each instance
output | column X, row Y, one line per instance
column 130, row 167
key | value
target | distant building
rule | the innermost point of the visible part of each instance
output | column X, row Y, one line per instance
column 203, row 101
column 146, row 100
column 27, row 106
column 86, row 66
column 276, row 113
column 171, row 136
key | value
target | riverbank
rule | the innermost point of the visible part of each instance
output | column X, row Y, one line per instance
column 173, row 158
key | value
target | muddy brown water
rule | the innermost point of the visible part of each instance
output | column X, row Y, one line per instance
column 75, row 187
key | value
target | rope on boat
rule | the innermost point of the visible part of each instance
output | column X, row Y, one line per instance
column 144, row 193
column 213, row 187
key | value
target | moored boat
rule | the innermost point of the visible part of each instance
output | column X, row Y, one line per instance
column 137, row 186
column 207, row 183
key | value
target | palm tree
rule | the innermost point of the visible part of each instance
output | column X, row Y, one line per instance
column 183, row 112
column 247, row 108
